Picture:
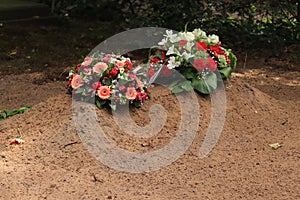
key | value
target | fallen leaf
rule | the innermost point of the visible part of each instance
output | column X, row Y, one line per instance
column 275, row 145
column 13, row 52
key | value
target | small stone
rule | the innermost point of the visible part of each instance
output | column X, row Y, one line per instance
column 145, row 145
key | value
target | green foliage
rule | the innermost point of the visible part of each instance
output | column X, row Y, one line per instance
column 205, row 84
column 241, row 24
column 248, row 24
column 104, row 10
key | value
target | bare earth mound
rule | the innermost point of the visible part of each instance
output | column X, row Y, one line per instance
column 54, row 164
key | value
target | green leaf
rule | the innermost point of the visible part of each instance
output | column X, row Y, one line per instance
column 113, row 107
column 173, row 84
column 233, row 59
column 207, row 84
column 8, row 113
column 137, row 104
column 79, row 90
column 98, row 104
column 23, row 109
column 3, row 115
column 225, row 72
column 188, row 73
column 187, row 85
column 176, row 90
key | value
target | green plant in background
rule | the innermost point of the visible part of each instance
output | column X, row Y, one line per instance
column 247, row 24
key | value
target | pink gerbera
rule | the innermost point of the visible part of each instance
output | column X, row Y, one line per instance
column 76, row 81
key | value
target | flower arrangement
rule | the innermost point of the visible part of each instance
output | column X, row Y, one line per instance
column 197, row 56
column 110, row 79
column 107, row 79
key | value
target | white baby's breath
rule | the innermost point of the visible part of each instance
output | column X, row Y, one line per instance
column 173, row 63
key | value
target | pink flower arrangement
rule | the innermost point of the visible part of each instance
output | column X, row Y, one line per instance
column 107, row 79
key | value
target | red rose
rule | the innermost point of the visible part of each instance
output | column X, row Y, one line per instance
column 129, row 64
column 162, row 55
column 155, row 60
column 151, row 72
column 211, row 64
column 141, row 96
column 69, row 83
column 217, row 50
column 199, row 64
column 114, row 71
column 144, row 96
column 182, row 43
column 77, row 67
column 201, row 46
column 96, row 85
column 166, row 72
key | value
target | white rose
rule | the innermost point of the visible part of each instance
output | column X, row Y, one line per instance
column 213, row 39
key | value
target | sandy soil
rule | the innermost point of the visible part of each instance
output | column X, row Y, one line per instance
column 53, row 163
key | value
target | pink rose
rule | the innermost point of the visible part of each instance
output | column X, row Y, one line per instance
column 87, row 61
column 100, row 67
column 106, row 59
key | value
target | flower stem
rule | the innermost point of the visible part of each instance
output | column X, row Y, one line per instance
column 20, row 133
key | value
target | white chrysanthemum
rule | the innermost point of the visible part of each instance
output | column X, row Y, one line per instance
column 213, row 39
column 189, row 36
column 199, row 33
column 172, row 63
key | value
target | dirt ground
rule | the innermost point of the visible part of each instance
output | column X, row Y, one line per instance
column 262, row 108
